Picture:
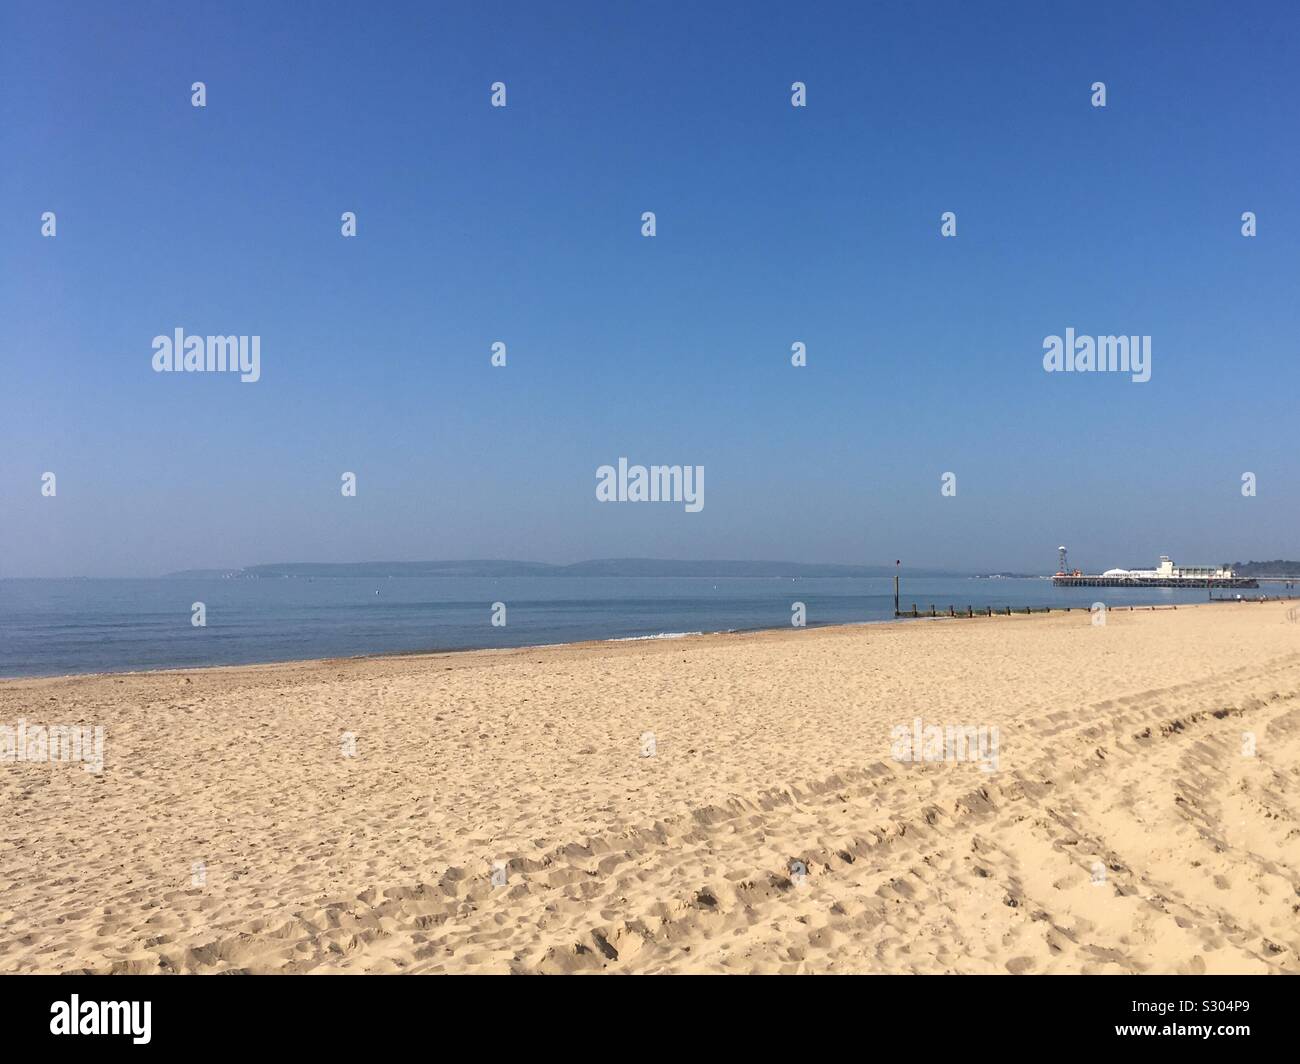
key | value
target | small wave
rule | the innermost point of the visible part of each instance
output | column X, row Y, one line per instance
column 661, row 635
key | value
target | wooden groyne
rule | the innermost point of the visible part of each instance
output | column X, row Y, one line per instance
column 971, row 611
column 1007, row 611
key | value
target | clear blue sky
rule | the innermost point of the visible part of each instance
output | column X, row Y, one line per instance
column 522, row 224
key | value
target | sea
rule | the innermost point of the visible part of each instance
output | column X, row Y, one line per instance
column 60, row 627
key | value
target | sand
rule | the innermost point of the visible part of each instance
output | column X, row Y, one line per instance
column 500, row 813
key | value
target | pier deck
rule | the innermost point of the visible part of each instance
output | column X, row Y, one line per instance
column 1138, row 581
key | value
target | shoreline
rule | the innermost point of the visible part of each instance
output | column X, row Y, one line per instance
column 675, row 637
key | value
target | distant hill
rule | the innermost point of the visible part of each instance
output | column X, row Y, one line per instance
column 603, row 567
column 656, row 567
column 1277, row 568
column 453, row 568
column 206, row 574
column 1009, row 576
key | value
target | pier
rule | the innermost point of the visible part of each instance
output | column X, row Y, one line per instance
column 1190, row 582
column 1166, row 574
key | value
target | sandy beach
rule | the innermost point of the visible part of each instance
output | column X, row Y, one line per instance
column 709, row 804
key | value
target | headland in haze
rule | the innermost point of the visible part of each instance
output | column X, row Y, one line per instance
column 598, row 567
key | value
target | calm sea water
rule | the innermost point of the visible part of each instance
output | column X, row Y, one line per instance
column 54, row 627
